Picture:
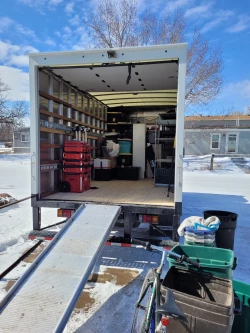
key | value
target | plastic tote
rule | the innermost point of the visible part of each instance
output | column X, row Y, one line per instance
column 125, row 146
column 207, row 301
column 242, row 322
column 225, row 235
column 219, row 262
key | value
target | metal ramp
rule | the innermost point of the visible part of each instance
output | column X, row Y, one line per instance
column 43, row 298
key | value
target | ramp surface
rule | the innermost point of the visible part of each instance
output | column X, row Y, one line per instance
column 44, row 297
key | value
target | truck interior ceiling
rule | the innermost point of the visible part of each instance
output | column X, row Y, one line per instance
column 127, row 111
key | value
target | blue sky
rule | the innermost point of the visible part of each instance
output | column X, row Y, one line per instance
column 53, row 25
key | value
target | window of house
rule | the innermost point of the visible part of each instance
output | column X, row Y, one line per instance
column 215, row 141
column 25, row 137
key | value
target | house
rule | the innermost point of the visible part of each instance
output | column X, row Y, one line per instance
column 217, row 134
column 21, row 140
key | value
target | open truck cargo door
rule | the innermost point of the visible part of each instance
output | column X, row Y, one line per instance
column 84, row 88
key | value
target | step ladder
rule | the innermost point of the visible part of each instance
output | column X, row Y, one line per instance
column 43, row 299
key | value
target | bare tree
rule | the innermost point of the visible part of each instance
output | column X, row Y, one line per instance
column 12, row 113
column 119, row 24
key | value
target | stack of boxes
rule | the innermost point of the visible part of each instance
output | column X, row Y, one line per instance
column 76, row 165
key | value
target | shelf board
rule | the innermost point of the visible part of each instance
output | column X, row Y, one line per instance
column 165, row 139
column 119, row 123
column 168, row 160
column 126, row 154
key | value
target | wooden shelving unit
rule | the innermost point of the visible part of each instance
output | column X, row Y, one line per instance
column 64, row 106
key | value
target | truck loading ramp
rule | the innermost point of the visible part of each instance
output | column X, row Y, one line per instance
column 44, row 297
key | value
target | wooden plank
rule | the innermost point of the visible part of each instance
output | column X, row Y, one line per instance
column 88, row 113
column 58, row 116
column 48, row 145
column 60, row 101
column 50, row 161
column 55, row 131
column 55, row 99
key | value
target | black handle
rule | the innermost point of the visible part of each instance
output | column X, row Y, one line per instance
column 140, row 242
column 237, row 308
column 235, row 263
column 191, row 262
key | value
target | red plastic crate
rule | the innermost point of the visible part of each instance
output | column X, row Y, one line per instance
column 73, row 167
column 86, row 157
column 76, row 182
column 86, row 182
column 75, row 143
column 73, row 156
column 76, row 147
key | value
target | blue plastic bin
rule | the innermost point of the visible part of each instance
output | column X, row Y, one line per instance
column 125, row 146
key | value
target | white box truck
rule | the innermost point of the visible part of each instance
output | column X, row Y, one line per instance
column 85, row 88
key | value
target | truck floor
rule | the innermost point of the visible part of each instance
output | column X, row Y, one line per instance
column 140, row 192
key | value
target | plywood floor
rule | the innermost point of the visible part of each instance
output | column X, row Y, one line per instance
column 140, row 192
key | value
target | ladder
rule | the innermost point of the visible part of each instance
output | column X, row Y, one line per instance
column 43, row 299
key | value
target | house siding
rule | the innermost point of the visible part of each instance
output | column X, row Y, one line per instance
column 199, row 142
column 198, row 130
column 244, row 142
column 18, row 145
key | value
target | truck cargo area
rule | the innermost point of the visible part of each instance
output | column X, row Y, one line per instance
column 131, row 97
column 141, row 192
column 116, row 105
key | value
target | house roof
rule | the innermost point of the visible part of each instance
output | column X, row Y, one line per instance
column 229, row 117
column 22, row 129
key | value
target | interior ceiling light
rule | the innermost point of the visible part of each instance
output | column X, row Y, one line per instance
column 112, row 54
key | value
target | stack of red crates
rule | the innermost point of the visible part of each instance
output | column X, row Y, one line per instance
column 76, row 165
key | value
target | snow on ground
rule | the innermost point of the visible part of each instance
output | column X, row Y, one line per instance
column 107, row 303
column 222, row 165
column 16, row 220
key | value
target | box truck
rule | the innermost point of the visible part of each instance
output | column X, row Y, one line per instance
column 134, row 97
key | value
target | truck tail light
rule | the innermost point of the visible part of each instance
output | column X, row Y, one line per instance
column 154, row 219
column 65, row 213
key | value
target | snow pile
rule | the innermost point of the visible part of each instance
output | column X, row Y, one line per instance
column 221, row 165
